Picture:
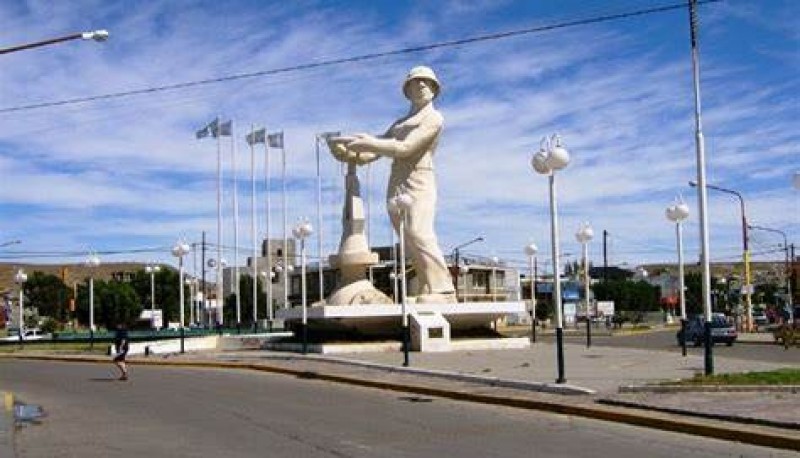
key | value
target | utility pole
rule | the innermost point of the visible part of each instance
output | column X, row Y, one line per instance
column 203, row 272
column 605, row 256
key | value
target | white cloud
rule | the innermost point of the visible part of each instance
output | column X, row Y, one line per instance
column 621, row 100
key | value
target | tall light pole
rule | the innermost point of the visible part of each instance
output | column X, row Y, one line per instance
column 702, row 194
column 302, row 231
column 530, row 250
column 495, row 261
column 180, row 250
column 585, row 235
column 676, row 213
column 551, row 157
column 96, row 35
column 748, row 287
column 400, row 205
column 20, row 278
column 786, row 260
column 152, row 269
column 456, row 258
column 91, row 262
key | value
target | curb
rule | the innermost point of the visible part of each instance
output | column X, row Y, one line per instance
column 619, row 414
column 709, row 388
column 491, row 381
column 713, row 416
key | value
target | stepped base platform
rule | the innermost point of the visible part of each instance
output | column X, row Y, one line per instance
column 378, row 319
column 433, row 327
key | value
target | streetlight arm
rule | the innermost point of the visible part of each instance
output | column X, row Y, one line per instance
column 97, row 35
column 741, row 205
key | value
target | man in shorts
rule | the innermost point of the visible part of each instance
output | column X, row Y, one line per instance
column 121, row 350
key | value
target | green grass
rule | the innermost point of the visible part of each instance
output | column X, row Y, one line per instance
column 787, row 376
column 100, row 348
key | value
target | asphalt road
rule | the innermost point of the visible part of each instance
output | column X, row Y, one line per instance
column 173, row 412
column 665, row 340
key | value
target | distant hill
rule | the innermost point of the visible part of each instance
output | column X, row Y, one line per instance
column 71, row 272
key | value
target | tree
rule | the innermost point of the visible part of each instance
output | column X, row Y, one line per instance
column 630, row 296
column 115, row 302
column 48, row 294
column 246, row 288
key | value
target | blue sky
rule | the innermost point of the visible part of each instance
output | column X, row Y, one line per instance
column 126, row 174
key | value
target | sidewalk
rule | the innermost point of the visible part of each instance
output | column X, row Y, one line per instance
column 525, row 378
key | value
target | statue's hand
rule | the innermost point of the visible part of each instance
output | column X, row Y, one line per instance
column 338, row 147
column 365, row 158
column 362, row 143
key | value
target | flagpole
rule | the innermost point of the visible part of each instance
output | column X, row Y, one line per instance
column 254, row 266
column 285, row 235
column 268, row 231
column 319, row 223
column 220, row 299
column 236, row 234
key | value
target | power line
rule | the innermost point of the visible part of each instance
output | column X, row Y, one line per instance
column 347, row 60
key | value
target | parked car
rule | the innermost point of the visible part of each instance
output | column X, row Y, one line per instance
column 27, row 334
column 721, row 331
column 760, row 318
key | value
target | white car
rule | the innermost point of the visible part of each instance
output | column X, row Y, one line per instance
column 28, row 334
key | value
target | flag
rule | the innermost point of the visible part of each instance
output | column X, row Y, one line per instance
column 257, row 136
column 275, row 140
column 219, row 129
column 202, row 133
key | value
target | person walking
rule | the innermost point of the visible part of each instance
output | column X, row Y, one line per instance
column 121, row 346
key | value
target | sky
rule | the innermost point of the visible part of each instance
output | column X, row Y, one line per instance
column 124, row 176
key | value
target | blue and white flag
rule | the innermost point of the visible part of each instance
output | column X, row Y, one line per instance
column 202, row 133
column 221, row 129
column 275, row 140
column 257, row 136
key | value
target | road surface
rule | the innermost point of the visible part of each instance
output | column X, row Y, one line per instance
column 179, row 412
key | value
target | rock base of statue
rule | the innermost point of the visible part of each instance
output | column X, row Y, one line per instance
column 358, row 293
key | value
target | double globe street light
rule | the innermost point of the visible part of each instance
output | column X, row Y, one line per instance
column 551, row 157
column 399, row 205
column 152, row 269
column 302, row 231
column 20, row 278
column 92, row 262
column 180, row 250
column 585, row 235
column 530, row 251
column 676, row 213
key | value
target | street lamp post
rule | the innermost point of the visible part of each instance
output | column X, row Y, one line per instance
column 268, row 276
column 180, row 250
column 91, row 262
column 495, row 261
column 302, row 231
column 584, row 235
column 456, row 258
column 551, row 157
column 676, row 213
column 20, row 278
column 786, row 260
column 400, row 204
column 152, row 269
column 96, row 35
column 531, row 250
column 748, row 287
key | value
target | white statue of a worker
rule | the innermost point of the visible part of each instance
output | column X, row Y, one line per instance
column 411, row 143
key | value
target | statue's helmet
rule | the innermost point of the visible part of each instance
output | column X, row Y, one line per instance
column 422, row 72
